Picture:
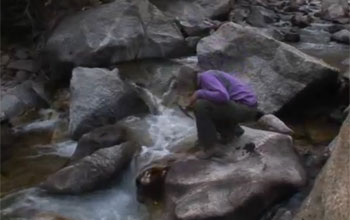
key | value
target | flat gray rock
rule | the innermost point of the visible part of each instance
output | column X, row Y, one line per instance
column 229, row 187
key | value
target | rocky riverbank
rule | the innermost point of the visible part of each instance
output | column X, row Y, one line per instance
column 90, row 111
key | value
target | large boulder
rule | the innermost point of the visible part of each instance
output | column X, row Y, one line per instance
column 162, row 77
column 100, row 97
column 91, row 171
column 239, row 186
column 23, row 97
column 194, row 15
column 335, row 10
column 277, row 71
column 110, row 33
column 329, row 198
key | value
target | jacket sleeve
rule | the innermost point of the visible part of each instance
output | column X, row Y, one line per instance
column 212, row 89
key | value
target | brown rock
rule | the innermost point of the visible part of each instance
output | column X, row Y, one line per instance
column 330, row 197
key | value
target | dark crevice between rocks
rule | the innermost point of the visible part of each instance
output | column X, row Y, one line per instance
column 320, row 97
column 315, row 103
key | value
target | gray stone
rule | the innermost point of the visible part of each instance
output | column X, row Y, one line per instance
column 232, row 186
column 335, row 28
column 100, row 97
column 20, row 99
column 27, row 65
column 201, row 28
column 261, row 17
column 94, row 37
column 11, row 106
column 272, row 123
column 195, row 16
column 99, row 138
column 92, row 171
column 342, row 36
column 346, row 62
column 335, row 10
column 239, row 14
column 159, row 76
column 276, row 71
column 301, row 20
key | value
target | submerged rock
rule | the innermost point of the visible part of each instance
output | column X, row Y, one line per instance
column 100, row 97
column 94, row 37
column 91, row 171
column 301, row 21
column 342, row 36
column 99, row 138
column 239, row 186
column 329, row 197
column 277, row 72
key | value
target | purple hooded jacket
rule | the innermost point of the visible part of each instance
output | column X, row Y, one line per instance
column 213, row 88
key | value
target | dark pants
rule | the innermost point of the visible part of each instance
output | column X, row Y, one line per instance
column 214, row 118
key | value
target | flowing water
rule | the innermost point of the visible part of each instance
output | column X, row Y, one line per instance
column 170, row 131
column 43, row 147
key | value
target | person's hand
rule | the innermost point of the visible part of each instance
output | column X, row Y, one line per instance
column 193, row 99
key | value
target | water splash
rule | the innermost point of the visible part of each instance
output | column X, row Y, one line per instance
column 170, row 130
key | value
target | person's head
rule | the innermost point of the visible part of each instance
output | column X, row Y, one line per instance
column 188, row 78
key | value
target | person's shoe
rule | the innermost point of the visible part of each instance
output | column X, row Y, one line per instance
column 209, row 153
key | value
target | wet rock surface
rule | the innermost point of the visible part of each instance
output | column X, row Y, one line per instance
column 229, row 187
column 98, row 138
column 100, row 97
column 92, row 171
column 342, row 36
column 20, row 99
